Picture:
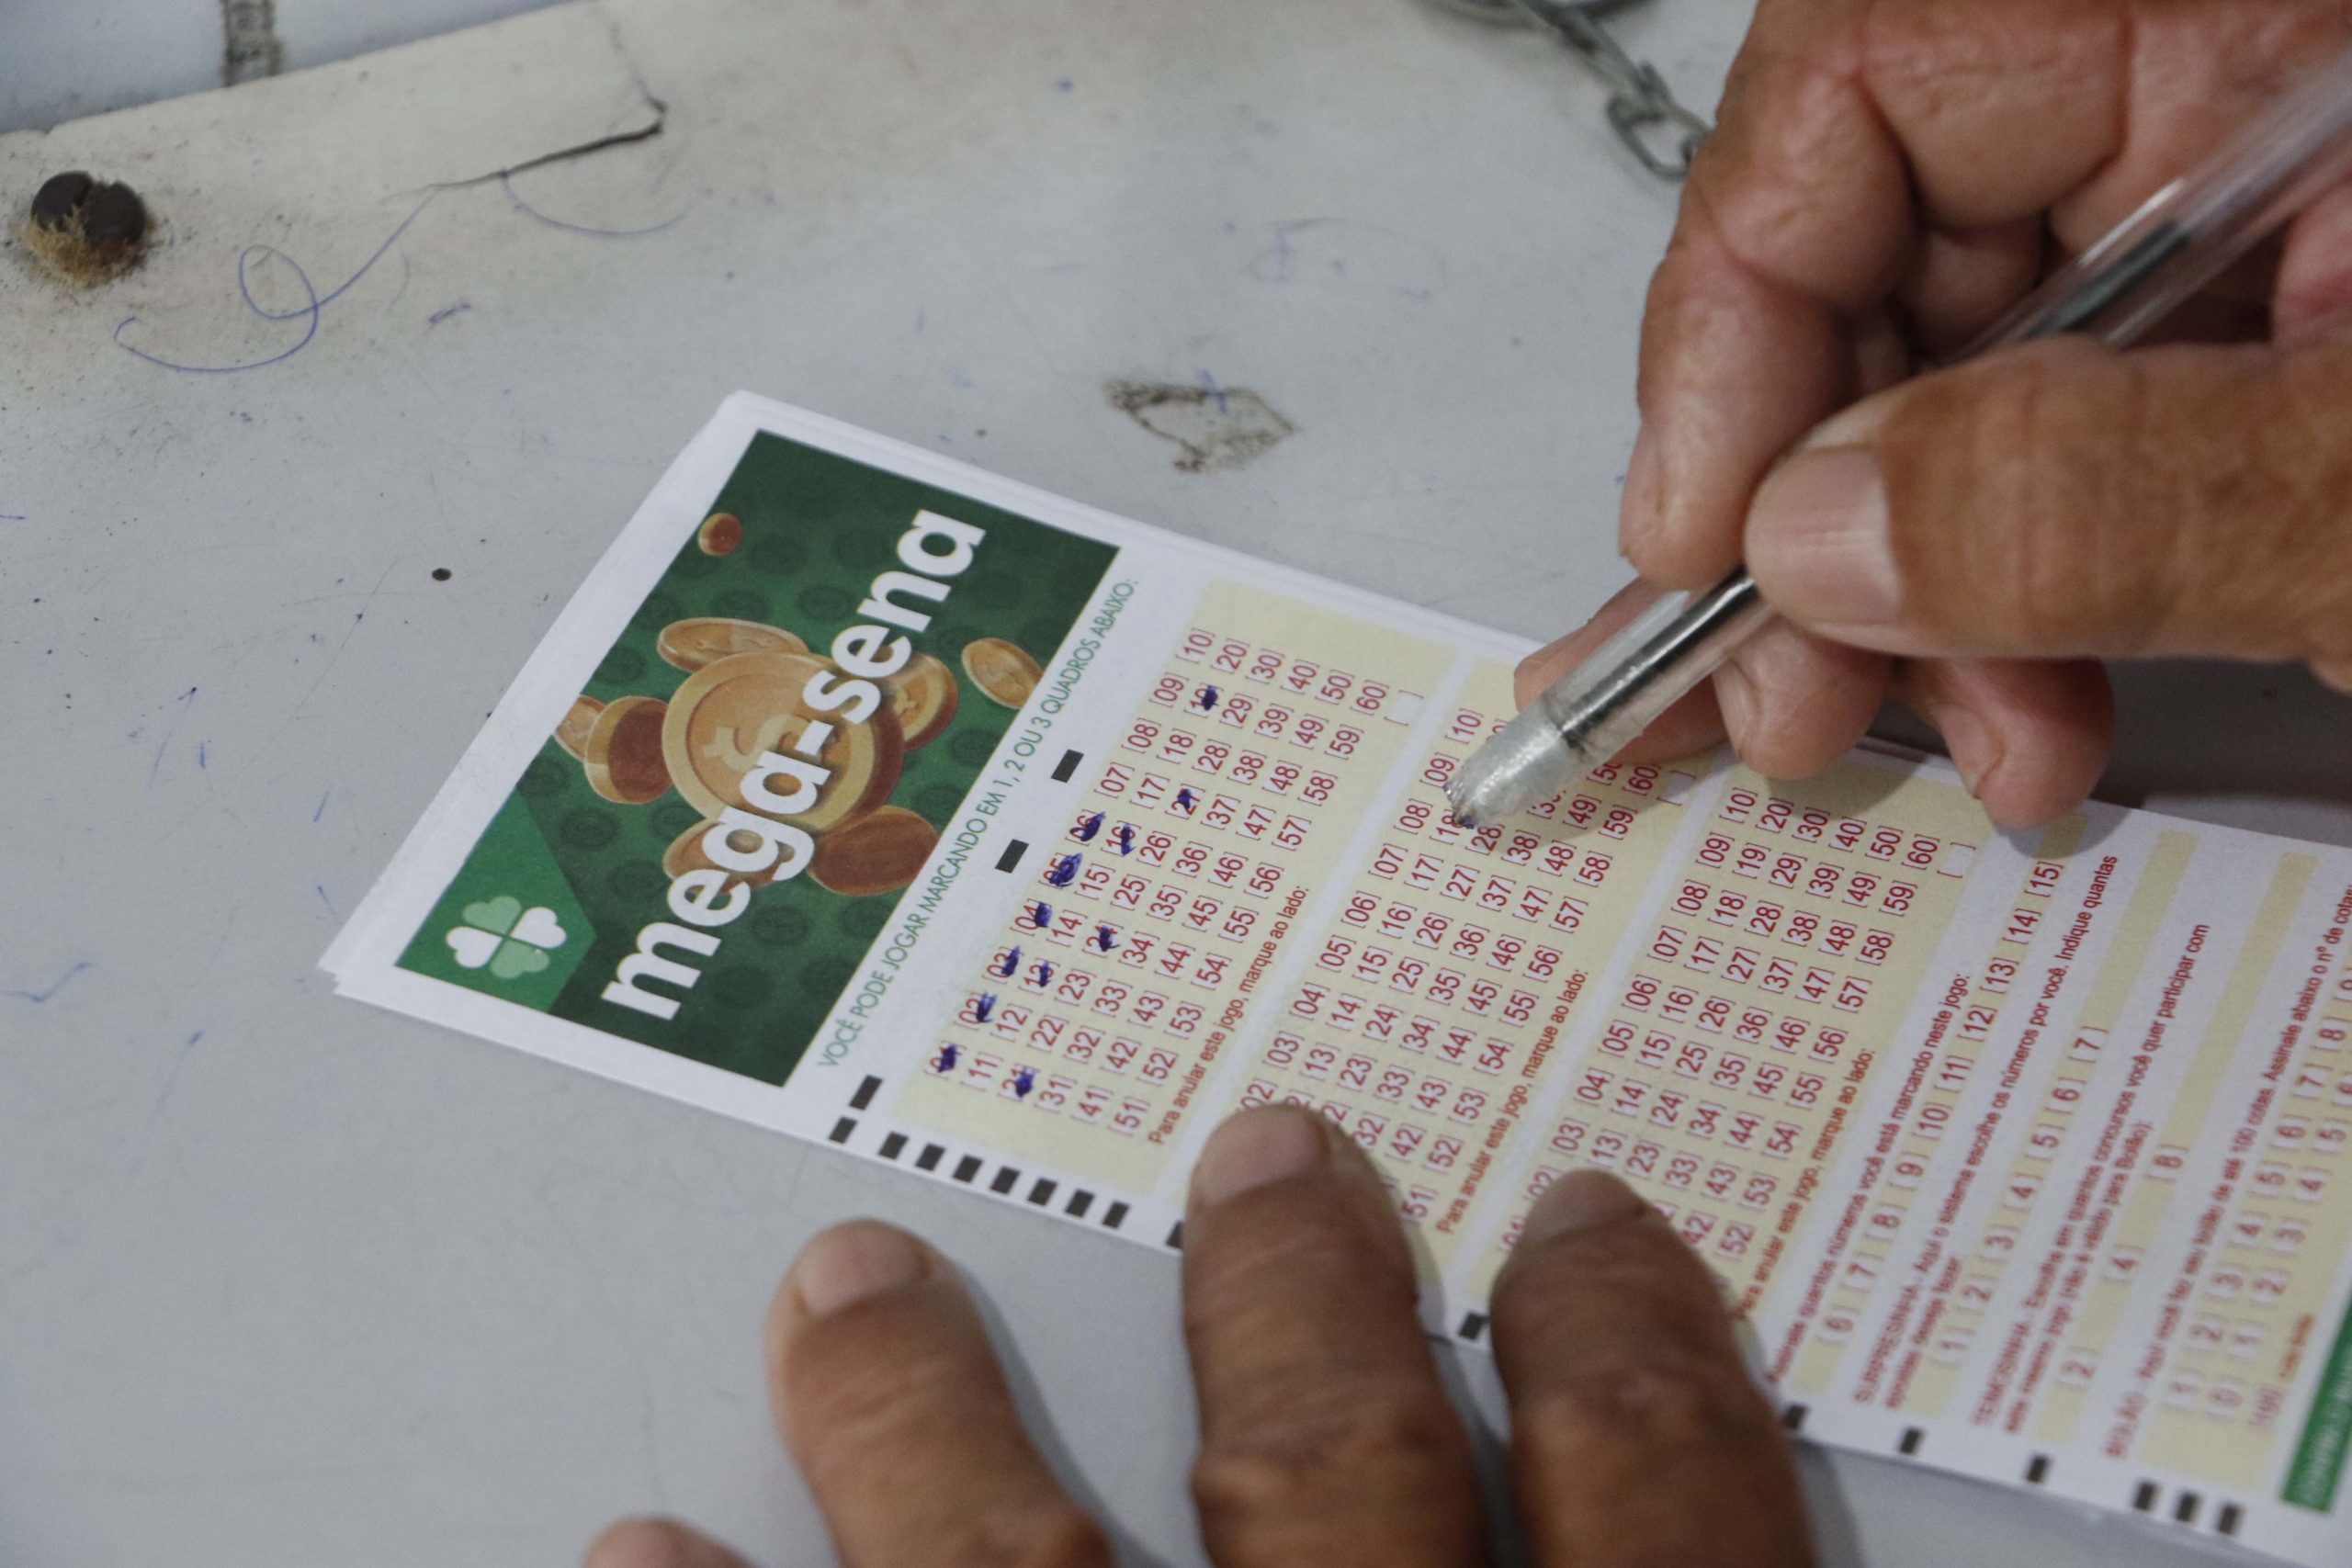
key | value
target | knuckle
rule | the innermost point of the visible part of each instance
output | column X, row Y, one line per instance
column 1657, row 1402
column 853, row 1400
column 1055, row 1534
column 2007, row 481
column 1239, row 1271
column 1325, row 1449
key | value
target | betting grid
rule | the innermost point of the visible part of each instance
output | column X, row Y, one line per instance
column 1996, row 1380
column 1429, row 1020
column 1892, row 1227
column 1127, row 965
column 1756, row 1010
column 2042, row 1313
column 2288, row 1148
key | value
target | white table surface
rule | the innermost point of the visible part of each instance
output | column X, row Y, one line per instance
column 284, row 1279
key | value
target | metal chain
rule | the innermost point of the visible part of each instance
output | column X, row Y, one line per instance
column 1654, row 126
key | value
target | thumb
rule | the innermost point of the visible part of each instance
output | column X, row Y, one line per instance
column 2063, row 500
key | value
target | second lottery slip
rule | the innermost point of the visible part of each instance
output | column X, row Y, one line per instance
column 869, row 797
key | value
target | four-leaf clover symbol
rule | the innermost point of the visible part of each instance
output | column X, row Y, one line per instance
column 511, row 941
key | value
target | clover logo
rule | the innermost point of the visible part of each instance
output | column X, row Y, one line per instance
column 510, row 941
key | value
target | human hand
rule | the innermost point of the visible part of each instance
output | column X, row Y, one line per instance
column 1887, row 176
column 1326, row 1435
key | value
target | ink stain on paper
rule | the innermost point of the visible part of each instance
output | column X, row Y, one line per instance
column 1214, row 427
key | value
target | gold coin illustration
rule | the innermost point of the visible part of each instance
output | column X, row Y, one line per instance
column 705, row 639
column 685, row 854
column 572, row 733
column 719, row 534
column 879, row 852
column 622, row 752
column 923, row 695
column 726, row 713
column 1004, row 673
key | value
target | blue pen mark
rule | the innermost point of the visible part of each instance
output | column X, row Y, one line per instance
column 1023, row 1080
column 321, row 811
column 1127, row 838
column 1103, row 941
column 1065, row 85
column 36, row 997
column 1007, row 966
column 11, row 517
column 1041, row 915
column 1064, row 872
column 188, row 697
column 1206, row 700
column 1186, row 800
column 156, row 766
column 1208, row 385
column 164, row 1096
column 172, row 1079
column 459, row 308
column 327, row 901
column 199, row 754
column 1043, row 970
column 946, row 1063
column 1088, row 826
column 507, row 185
column 983, row 1005
column 308, row 312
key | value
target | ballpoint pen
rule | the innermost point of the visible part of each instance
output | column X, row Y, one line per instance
column 2174, row 245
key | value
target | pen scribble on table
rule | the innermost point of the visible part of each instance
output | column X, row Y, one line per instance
column 39, row 996
column 313, row 303
column 1342, row 254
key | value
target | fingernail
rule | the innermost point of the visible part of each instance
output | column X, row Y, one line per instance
column 1736, row 699
column 1257, row 1148
column 849, row 1263
column 1857, row 426
column 1637, row 507
column 1580, row 1200
column 647, row 1543
column 1539, row 668
column 1974, row 750
column 1818, row 541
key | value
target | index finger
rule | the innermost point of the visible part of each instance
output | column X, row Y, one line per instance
column 1326, row 1435
column 886, row 1389
column 1636, row 1434
column 1853, row 133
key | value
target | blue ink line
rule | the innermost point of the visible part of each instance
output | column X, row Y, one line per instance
column 506, row 184
column 327, row 901
column 11, row 517
column 36, row 997
column 156, row 766
column 1208, row 385
column 460, row 308
column 187, row 696
column 321, row 811
column 172, row 1079
column 316, row 302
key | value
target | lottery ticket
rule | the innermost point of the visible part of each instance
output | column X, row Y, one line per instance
column 870, row 798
